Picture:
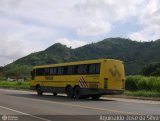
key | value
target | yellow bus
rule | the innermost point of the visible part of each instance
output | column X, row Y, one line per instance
column 90, row 78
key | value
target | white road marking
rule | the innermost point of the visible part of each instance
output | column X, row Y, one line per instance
column 25, row 113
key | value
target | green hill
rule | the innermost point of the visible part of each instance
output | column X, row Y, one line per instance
column 135, row 54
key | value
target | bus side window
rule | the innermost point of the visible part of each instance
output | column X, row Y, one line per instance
column 47, row 71
column 65, row 69
column 83, row 69
column 55, row 71
column 60, row 70
column 91, row 68
column 40, row 72
column 94, row 68
column 70, row 70
column 80, row 69
column 97, row 71
column 51, row 71
column 76, row 69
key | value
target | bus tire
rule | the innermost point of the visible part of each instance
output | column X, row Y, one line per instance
column 77, row 92
column 54, row 94
column 39, row 90
column 69, row 92
column 95, row 97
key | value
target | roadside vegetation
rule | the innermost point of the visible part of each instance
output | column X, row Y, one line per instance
column 152, row 69
column 135, row 86
column 14, row 84
column 142, row 86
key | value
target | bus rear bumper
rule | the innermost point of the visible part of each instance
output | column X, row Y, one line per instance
column 102, row 91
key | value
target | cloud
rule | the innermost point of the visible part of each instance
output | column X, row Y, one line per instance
column 99, row 16
column 32, row 25
column 149, row 19
column 93, row 29
column 80, row 15
column 71, row 43
column 146, row 34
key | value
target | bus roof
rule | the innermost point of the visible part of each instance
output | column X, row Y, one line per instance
column 74, row 63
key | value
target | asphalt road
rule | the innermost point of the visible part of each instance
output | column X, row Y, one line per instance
column 27, row 106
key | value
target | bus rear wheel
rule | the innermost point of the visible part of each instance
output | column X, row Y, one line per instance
column 54, row 94
column 39, row 90
column 77, row 92
column 69, row 92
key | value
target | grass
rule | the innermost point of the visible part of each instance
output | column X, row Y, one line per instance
column 15, row 85
column 142, row 93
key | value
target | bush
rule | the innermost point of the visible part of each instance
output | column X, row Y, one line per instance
column 131, row 83
column 15, row 85
column 134, row 83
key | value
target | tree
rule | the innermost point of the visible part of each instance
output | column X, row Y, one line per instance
column 151, row 70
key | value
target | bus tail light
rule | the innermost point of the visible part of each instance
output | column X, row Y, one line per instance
column 105, row 82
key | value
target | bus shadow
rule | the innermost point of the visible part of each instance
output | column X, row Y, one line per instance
column 58, row 98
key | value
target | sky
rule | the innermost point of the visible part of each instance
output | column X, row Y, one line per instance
column 28, row 26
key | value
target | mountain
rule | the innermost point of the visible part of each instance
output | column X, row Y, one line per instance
column 134, row 54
